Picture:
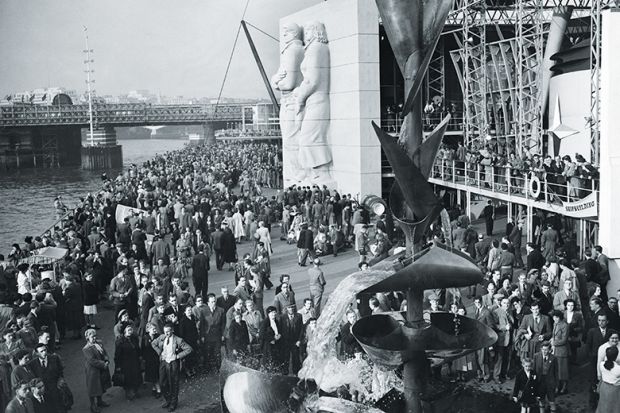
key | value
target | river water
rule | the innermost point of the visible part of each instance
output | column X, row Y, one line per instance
column 27, row 195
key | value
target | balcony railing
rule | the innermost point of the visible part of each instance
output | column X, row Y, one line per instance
column 539, row 186
column 393, row 124
column 530, row 185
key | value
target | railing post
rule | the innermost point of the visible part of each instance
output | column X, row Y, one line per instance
column 453, row 171
column 526, row 187
column 443, row 175
column 465, row 176
column 478, row 174
column 508, row 174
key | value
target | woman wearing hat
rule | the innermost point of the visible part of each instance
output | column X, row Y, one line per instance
column 97, row 371
column 127, row 361
column 123, row 321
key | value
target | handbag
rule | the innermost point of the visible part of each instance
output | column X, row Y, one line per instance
column 118, row 379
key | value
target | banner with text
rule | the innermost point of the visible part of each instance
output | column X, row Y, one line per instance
column 583, row 208
column 123, row 211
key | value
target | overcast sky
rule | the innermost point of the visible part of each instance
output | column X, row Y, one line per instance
column 171, row 47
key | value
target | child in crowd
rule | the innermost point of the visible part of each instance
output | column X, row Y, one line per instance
column 526, row 386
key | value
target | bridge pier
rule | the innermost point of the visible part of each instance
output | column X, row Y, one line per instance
column 39, row 147
column 101, row 150
column 209, row 133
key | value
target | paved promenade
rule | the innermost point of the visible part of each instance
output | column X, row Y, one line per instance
column 201, row 394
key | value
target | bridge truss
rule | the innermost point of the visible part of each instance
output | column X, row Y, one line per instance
column 122, row 114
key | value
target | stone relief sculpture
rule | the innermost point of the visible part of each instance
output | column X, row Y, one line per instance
column 312, row 106
column 303, row 80
column 286, row 80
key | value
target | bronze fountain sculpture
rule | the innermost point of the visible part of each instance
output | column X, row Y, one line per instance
column 413, row 28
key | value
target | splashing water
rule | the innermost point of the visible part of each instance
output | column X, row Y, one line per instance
column 322, row 363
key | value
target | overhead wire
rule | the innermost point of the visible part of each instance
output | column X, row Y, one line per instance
column 262, row 31
column 232, row 52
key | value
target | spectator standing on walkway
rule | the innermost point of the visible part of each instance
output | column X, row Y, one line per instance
column 609, row 387
column 211, row 329
column 546, row 368
column 361, row 242
column 97, row 370
column 305, row 245
column 489, row 217
column 200, row 271
column 127, row 361
column 559, row 341
column 171, row 350
column 317, row 285
column 515, row 237
column 292, row 334
column 284, row 298
column 548, row 241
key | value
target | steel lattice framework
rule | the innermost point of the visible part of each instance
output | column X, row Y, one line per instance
column 122, row 114
column 529, row 64
column 514, row 67
column 435, row 80
column 595, row 78
column 474, row 72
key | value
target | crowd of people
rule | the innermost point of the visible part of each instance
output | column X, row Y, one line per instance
column 495, row 165
column 544, row 308
column 151, row 265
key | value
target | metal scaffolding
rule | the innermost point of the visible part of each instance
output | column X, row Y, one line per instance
column 435, row 80
column 529, row 64
column 474, row 60
column 502, row 80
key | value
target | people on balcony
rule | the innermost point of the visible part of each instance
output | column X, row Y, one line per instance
column 496, row 166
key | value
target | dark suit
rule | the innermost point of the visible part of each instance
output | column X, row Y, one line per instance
column 547, row 372
column 217, row 247
column 515, row 237
column 482, row 356
column 35, row 321
column 292, row 332
column 50, row 376
column 212, row 334
column 305, row 245
column 535, row 260
column 488, row 212
column 349, row 344
column 542, row 327
column 42, row 406
column 200, row 273
column 226, row 303
column 482, row 250
column 593, row 340
column 15, row 406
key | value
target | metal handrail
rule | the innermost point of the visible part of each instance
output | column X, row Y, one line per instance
column 503, row 179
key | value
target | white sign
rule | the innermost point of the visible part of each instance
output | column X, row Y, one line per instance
column 583, row 208
column 123, row 211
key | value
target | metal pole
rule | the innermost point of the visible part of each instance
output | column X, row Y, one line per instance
column 88, row 82
column 261, row 69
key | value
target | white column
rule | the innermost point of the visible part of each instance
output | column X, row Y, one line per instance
column 609, row 218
